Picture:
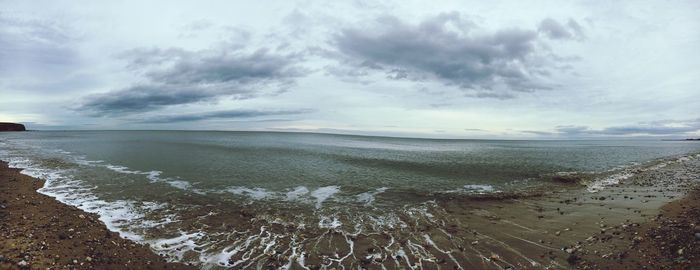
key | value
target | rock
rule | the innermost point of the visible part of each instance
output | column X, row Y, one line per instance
column 557, row 233
column 88, row 259
column 81, row 216
column 23, row 264
column 567, row 178
column 572, row 258
column 11, row 127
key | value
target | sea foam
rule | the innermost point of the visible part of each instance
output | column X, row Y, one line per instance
column 323, row 193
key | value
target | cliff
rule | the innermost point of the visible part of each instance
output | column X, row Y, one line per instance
column 11, row 127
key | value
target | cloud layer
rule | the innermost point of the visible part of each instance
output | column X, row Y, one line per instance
column 482, row 69
column 555, row 30
column 656, row 128
column 227, row 114
column 177, row 77
column 38, row 46
column 448, row 48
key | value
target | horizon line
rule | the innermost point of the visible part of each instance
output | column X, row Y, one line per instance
column 622, row 137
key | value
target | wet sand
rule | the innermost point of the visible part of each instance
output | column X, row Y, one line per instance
column 38, row 232
column 645, row 222
column 638, row 224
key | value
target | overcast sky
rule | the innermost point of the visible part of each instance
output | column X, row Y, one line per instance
column 452, row 69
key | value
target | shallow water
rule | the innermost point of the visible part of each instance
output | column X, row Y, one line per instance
column 239, row 199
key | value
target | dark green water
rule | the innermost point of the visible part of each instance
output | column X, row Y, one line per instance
column 142, row 179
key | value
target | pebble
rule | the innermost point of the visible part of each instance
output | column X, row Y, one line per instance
column 22, row 263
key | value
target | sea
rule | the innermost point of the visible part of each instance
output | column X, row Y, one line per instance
column 224, row 199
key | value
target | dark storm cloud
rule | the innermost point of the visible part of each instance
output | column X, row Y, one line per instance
column 555, row 30
column 445, row 48
column 179, row 77
column 228, row 114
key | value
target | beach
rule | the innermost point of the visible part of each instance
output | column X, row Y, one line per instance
column 643, row 223
column 295, row 201
column 39, row 232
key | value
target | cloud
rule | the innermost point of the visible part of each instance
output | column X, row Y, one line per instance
column 259, row 67
column 539, row 133
column 37, row 47
column 656, row 128
column 142, row 98
column 651, row 130
column 447, row 48
column 555, row 30
column 671, row 128
column 176, row 76
column 227, row 114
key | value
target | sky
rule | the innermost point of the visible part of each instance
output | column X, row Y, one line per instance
column 440, row 69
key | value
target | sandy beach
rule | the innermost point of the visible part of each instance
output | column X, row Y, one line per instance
column 647, row 221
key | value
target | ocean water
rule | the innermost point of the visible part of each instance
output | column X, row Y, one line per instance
column 230, row 199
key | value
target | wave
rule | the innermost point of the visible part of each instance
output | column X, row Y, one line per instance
column 620, row 174
column 130, row 219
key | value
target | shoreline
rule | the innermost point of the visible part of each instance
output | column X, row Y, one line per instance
column 636, row 229
column 39, row 232
column 668, row 241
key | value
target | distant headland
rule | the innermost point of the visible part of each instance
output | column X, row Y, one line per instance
column 11, row 127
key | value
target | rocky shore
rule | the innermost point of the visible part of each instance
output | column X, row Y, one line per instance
column 38, row 232
column 671, row 240
column 650, row 220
